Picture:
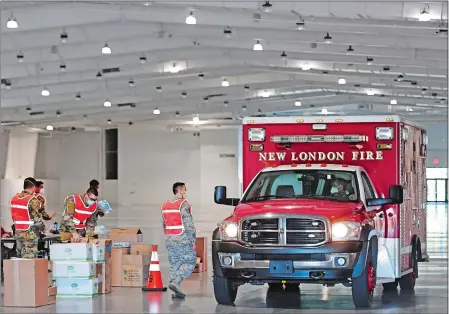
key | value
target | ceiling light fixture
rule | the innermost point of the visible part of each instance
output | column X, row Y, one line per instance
column 64, row 37
column 265, row 94
column 341, row 81
column 173, row 68
column 159, row 89
column 409, row 109
column 226, row 103
column 49, row 128
column 106, row 50
column 45, row 92
column 300, row 25
column 177, row 113
column 99, row 75
column 109, row 121
column 424, row 15
column 228, row 32
column 190, row 20
column 62, row 66
column 350, row 49
column 283, row 56
column 12, row 23
column 327, row 38
column 143, row 59
column 201, row 76
column 393, row 102
column 324, row 111
column 20, row 57
column 58, row 114
column 184, row 94
column 78, row 96
column 370, row 92
column 246, row 87
column 243, row 108
column 131, row 83
column 225, row 83
column 369, row 60
column 305, row 67
column 298, row 103
column 8, row 84
column 258, row 46
column 266, row 7
column 156, row 111
column 107, row 103
column 196, row 119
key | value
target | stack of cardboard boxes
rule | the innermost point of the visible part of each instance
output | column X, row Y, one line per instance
column 26, row 283
column 130, row 258
column 82, row 269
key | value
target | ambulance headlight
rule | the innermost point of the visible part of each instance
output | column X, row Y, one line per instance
column 384, row 133
column 256, row 134
column 228, row 230
column 346, row 231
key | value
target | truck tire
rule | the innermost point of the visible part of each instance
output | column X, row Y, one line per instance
column 289, row 287
column 225, row 290
column 407, row 282
column 391, row 285
column 363, row 286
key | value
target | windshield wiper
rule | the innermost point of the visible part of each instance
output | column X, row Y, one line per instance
column 265, row 197
column 329, row 197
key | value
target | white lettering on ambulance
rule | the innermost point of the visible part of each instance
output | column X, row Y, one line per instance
column 319, row 156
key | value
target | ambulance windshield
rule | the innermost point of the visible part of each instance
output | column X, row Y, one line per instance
column 332, row 185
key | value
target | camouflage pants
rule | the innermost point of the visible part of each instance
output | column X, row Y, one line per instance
column 90, row 230
column 26, row 247
column 182, row 259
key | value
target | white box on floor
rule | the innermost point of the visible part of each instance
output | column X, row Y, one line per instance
column 71, row 252
column 69, row 269
column 97, row 253
column 74, row 287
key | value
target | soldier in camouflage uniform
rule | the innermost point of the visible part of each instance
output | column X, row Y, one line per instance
column 39, row 188
column 180, row 237
column 27, row 241
column 67, row 225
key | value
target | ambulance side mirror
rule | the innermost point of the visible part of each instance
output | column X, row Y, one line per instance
column 397, row 194
column 220, row 197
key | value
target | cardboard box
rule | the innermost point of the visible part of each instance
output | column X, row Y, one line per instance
column 52, row 295
column 134, row 276
column 116, row 265
column 74, row 287
column 71, row 252
column 68, row 269
column 106, row 244
column 107, row 278
column 25, row 282
column 141, row 249
column 201, row 251
column 136, row 260
column 133, row 235
column 97, row 253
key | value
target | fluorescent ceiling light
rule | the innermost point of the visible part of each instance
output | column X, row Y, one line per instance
column 225, row 83
column 324, row 111
column 49, row 128
column 393, row 102
column 106, row 50
column 107, row 103
column 156, row 111
column 257, row 46
column 196, row 120
column 190, row 20
column 265, row 94
column 305, row 67
column 174, row 68
column 370, row 92
column 341, row 81
column 424, row 16
column 298, row 103
column 45, row 92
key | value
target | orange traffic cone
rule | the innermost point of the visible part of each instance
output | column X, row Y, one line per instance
column 155, row 277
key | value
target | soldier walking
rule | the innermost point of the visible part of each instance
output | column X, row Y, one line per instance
column 28, row 222
column 180, row 237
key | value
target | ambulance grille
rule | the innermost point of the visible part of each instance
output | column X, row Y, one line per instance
column 286, row 231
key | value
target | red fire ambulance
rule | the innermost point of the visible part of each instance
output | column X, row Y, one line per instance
column 327, row 200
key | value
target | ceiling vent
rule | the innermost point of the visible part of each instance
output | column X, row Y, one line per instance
column 110, row 70
column 127, row 104
column 37, row 113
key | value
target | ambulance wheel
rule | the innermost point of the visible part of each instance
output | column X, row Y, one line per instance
column 391, row 285
column 363, row 286
column 225, row 290
column 407, row 282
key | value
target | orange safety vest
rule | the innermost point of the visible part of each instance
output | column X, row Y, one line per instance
column 171, row 212
column 20, row 212
column 82, row 213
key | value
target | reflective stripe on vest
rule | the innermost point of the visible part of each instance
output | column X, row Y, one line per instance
column 20, row 212
column 81, row 212
column 171, row 212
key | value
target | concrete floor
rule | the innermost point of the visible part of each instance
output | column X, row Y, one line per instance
column 430, row 296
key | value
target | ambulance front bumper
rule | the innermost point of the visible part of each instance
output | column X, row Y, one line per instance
column 332, row 262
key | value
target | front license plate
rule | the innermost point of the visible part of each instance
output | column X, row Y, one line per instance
column 281, row 267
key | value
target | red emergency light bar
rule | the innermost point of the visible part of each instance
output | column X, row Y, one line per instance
column 286, row 139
